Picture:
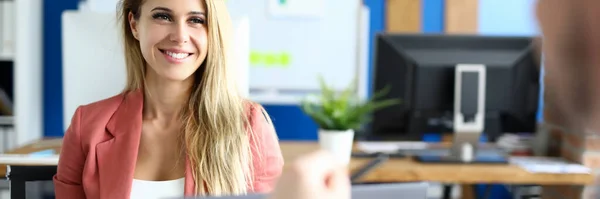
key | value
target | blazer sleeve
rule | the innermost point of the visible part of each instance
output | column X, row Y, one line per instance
column 68, row 178
column 267, row 156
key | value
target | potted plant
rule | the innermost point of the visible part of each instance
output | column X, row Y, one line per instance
column 339, row 115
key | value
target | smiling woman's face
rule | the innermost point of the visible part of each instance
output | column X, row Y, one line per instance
column 172, row 36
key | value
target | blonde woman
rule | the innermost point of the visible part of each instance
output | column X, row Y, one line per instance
column 180, row 127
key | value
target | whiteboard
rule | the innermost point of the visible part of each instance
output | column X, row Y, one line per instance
column 326, row 44
column 94, row 63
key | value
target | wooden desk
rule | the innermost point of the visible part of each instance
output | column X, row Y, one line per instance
column 402, row 170
column 409, row 170
column 406, row 170
column 41, row 145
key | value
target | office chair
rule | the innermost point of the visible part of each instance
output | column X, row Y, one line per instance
column 19, row 175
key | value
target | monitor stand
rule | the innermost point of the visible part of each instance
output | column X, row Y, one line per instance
column 469, row 117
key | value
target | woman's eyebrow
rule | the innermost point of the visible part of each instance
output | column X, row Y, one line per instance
column 169, row 10
column 162, row 8
column 196, row 13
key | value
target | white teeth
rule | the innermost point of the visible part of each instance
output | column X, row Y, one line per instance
column 177, row 55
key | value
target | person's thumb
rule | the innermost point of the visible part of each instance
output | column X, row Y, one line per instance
column 339, row 179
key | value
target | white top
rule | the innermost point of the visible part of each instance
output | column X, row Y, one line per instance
column 157, row 189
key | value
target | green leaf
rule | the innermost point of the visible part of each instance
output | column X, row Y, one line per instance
column 343, row 110
column 347, row 93
column 316, row 115
column 381, row 93
column 327, row 95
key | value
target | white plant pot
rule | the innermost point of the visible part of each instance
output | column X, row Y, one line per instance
column 339, row 143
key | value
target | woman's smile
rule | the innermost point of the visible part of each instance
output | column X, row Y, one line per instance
column 176, row 56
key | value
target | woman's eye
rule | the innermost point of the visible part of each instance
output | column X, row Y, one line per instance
column 197, row 20
column 161, row 16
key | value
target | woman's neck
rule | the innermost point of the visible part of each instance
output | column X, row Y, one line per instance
column 164, row 99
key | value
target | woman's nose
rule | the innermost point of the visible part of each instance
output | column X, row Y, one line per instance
column 180, row 33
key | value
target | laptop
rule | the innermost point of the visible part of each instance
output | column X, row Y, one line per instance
column 365, row 191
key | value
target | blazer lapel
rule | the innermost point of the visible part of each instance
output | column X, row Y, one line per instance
column 117, row 156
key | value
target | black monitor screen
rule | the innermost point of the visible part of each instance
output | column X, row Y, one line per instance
column 6, row 88
column 420, row 71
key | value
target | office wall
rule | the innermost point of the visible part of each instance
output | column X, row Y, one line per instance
column 290, row 122
column 507, row 17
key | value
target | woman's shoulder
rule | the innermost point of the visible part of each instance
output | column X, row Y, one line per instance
column 105, row 106
column 250, row 105
column 259, row 120
column 90, row 120
column 256, row 111
column 95, row 116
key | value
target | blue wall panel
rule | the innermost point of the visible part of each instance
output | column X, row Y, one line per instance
column 291, row 123
column 52, row 65
column 376, row 25
column 540, row 115
column 433, row 16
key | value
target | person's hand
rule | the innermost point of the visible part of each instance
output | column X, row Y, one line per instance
column 313, row 176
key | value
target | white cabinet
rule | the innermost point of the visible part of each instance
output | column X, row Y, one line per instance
column 7, row 30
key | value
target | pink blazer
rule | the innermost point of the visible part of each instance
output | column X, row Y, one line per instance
column 100, row 147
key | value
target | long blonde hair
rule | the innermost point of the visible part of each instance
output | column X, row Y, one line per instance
column 215, row 121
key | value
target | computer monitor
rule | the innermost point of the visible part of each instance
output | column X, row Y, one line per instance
column 6, row 88
column 464, row 84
